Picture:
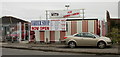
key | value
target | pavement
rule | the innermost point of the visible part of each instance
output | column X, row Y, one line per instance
column 61, row 48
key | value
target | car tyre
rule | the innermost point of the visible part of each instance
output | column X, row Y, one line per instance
column 72, row 44
column 101, row 45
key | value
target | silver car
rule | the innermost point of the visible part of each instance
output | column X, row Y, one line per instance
column 87, row 39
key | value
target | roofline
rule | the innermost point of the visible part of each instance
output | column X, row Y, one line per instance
column 79, row 19
column 114, row 18
column 15, row 18
column 74, row 19
column 84, row 18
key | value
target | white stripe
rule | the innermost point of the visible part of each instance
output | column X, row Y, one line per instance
column 37, row 35
column 47, row 36
column 91, row 26
column 68, row 32
column 24, row 30
column 57, row 36
column 101, row 28
column 79, row 26
column 20, row 31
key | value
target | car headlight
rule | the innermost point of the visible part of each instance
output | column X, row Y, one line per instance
column 108, row 39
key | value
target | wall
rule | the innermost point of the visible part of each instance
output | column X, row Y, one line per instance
column 72, row 28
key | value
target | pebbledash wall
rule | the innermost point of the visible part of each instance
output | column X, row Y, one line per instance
column 73, row 26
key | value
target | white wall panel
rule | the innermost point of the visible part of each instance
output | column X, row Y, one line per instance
column 47, row 36
column 79, row 26
column 91, row 26
column 57, row 35
column 37, row 35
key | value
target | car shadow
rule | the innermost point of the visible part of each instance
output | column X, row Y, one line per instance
column 82, row 47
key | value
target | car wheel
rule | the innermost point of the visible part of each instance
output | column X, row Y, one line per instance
column 101, row 45
column 72, row 44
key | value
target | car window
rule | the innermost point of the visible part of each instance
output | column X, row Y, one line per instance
column 14, row 33
column 88, row 35
column 79, row 35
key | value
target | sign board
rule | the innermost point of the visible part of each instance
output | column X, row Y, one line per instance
column 40, row 25
column 58, row 25
column 65, row 13
column 52, row 25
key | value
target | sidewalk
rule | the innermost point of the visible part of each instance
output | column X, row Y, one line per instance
column 62, row 48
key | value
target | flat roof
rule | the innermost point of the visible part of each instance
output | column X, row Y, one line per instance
column 74, row 19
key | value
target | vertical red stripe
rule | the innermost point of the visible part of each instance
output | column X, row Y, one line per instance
column 62, row 34
column 52, row 36
column 85, row 26
column 42, row 36
column 95, row 27
column 103, row 28
column 73, row 27
column 22, row 27
column 22, row 37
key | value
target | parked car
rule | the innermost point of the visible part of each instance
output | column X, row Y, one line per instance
column 87, row 39
column 15, row 35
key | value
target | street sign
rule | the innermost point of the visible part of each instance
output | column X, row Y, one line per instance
column 65, row 13
column 52, row 25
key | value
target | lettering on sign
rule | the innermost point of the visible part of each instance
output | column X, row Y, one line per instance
column 53, row 25
column 44, row 28
column 40, row 23
column 35, row 28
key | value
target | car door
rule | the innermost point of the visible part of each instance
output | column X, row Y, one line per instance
column 89, row 39
column 79, row 39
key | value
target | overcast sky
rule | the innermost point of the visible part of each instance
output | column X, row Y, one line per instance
column 36, row 10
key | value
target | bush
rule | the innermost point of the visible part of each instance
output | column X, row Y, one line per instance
column 114, row 35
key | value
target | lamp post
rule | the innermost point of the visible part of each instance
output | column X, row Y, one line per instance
column 67, row 6
column 83, row 13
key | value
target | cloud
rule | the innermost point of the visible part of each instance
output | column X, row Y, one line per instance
column 60, row 0
column 36, row 10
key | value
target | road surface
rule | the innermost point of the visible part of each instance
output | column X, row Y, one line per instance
column 8, row 51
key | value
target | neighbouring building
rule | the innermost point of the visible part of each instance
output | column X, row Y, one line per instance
column 11, row 24
column 112, row 22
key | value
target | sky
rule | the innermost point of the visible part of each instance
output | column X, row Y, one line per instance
column 35, row 9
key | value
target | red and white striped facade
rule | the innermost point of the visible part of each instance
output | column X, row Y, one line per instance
column 73, row 26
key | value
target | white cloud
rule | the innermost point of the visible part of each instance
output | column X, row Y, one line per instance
column 36, row 10
column 60, row 0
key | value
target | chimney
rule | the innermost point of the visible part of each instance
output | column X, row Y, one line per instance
column 107, row 15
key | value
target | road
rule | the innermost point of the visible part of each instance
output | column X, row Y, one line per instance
column 8, row 51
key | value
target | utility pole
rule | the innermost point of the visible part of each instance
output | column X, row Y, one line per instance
column 46, row 15
column 46, row 31
column 83, row 13
column 67, row 6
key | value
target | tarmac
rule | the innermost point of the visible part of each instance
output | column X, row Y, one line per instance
column 61, row 48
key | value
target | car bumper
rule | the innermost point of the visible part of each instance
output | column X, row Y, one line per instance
column 109, row 44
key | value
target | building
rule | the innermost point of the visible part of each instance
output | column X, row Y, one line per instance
column 11, row 24
column 112, row 22
column 74, row 25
